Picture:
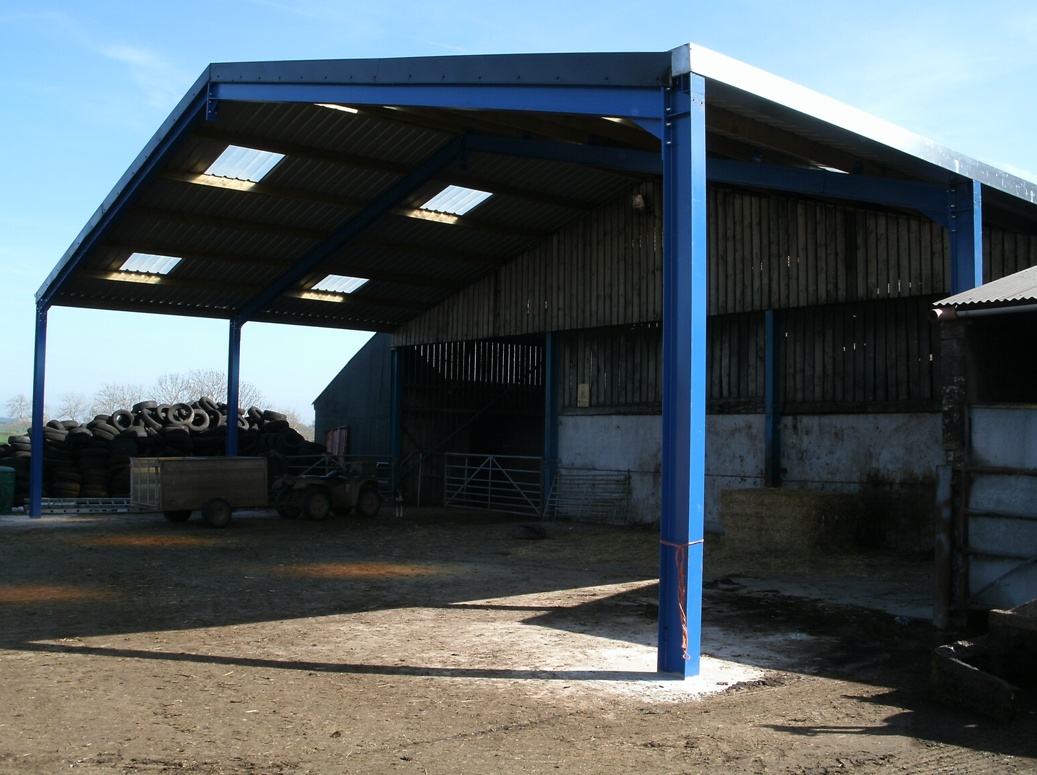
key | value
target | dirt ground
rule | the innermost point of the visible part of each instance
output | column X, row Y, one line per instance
column 451, row 642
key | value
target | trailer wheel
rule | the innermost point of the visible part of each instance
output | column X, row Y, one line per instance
column 316, row 504
column 286, row 504
column 369, row 503
column 216, row 512
column 178, row 516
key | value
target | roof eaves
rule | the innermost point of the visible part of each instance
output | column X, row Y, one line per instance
column 624, row 69
column 767, row 86
column 190, row 108
column 1017, row 288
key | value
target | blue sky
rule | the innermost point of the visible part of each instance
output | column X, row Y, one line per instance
column 85, row 85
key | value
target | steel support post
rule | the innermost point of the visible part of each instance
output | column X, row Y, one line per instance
column 684, row 377
column 966, row 218
column 772, row 398
column 550, row 417
column 233, row 385
column 396, row 416
column 36, row 432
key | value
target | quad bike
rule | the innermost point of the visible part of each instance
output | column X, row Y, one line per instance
column 316, row 497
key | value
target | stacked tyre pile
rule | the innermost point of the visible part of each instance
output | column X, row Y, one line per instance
column 92, row 460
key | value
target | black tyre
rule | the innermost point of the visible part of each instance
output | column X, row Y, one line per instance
column 287, row 504
column 316, row 504
column 369, row 503
column 199, row 420
column 178, row 516
column 121, row 419
column 216, row 513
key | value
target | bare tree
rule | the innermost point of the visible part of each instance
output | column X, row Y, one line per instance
column 212, row 383
column 174, row 389
column 74, row 406
column 20, row 409
column 111, row 398
column 296, row 422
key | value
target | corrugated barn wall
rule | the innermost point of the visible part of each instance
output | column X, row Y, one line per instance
column 851, row 287
column 356, row 400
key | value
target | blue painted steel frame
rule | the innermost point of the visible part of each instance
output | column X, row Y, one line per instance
column 551, row 375
column 620, row 102
column 966, row 229
column 684, row 378
column 147, row 165
column 772, row 401
column 36, row 433
column 396, row 415
column 233, row 386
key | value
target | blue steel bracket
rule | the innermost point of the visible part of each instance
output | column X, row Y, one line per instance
column 965, row 213
column 212, row 104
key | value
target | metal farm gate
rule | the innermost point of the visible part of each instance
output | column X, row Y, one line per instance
column 512, row 484
column 997, row 519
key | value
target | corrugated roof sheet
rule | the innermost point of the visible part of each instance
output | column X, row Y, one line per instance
column 1020, row 287
column 239, row 240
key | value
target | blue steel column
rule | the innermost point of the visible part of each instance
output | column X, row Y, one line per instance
column 772, row 398
column 966, row 235
column 233, row 385
column 36, row 434
column 550, row 418
column 684, row 377
column 396, row 415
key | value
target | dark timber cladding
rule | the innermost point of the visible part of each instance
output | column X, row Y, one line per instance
column 853, row 286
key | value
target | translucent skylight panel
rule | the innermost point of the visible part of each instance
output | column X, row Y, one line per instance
column 149, row 263
column 336, row 283
column 456, row 200
column 238, row 163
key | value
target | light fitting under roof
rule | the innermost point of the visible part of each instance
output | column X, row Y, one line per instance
column 239, row 163
column 456, row 200
column 340, row 108
column 336, row 283
column 149, row 263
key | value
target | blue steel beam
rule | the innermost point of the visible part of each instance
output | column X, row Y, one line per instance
column 233, row 385
column 396, row 416
column 617, row 102
column 146, row 167
column 621, row 159
column 928, row 198
column 446, row 155
column 966, row 229
column 36, row 433
column 772, row 401
column 684, row 378
column 551, row 376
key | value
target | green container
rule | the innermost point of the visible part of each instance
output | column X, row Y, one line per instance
column 6, row 489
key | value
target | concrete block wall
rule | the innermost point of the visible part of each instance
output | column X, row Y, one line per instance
column 889, row 459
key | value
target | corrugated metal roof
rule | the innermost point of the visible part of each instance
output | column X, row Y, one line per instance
column 1020, row 287
column 239, row 240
